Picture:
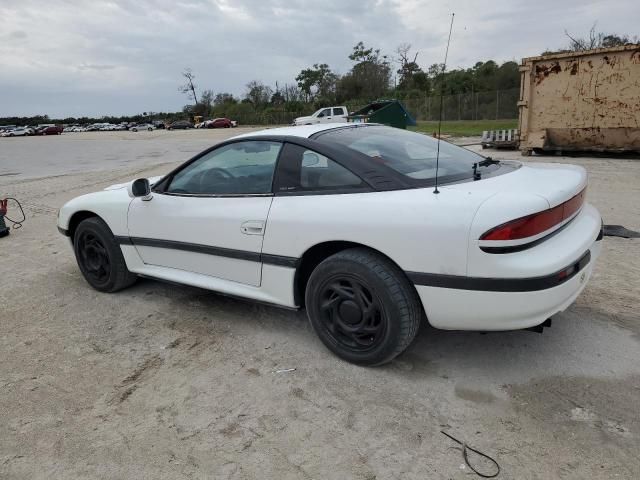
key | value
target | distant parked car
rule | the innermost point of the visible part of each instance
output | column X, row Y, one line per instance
column 324, row 115
column 54, row 130
column 220, row 123
column 180, row 125
column 143, row 126
column 16, row 132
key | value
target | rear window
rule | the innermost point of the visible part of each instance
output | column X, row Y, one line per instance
column 408, row 153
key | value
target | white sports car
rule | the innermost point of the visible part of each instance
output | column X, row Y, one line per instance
column 346, row 221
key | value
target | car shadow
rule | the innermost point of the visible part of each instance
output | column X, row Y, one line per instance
column 577, row 343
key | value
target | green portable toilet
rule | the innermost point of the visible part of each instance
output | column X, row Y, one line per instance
column 387, row 112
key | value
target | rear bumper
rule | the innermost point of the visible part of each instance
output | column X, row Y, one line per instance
column 507, row 304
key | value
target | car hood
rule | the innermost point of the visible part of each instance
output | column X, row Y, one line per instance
column 303, row 119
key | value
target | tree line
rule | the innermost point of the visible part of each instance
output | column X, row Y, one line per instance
column 373, row 74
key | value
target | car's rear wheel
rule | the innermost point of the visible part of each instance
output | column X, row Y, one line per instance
column 99, row 257
column 362, row 307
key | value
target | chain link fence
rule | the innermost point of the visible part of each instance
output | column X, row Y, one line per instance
column 495, row 105
column 266, row 118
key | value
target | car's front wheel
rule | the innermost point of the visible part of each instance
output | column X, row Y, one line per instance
column 99, row 256
column 362, row 307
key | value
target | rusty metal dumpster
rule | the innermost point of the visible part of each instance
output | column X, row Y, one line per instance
column 581, row 101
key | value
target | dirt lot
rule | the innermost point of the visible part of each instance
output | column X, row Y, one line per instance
column 161, row 381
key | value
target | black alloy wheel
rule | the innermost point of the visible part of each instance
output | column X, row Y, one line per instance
column 362, row 306
column 94, row 257
column 351, row 314
column 99, row 256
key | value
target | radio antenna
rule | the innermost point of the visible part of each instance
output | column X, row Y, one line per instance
column 444, row 67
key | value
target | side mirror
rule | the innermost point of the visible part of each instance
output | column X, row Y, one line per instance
column 140, row 188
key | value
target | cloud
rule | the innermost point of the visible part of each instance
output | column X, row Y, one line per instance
column 121, row 57
column 18, row 34
column 92, row 66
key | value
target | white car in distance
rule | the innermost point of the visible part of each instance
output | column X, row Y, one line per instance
column 17, row 132
column 324, row 115
column 346, row 221
column 141, row 127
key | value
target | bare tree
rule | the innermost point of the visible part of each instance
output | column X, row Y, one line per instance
column 189, row 88
column 581, row 44
column 597, row 40
column 403, row 55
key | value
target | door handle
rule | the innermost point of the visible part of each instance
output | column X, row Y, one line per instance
column 252, row 227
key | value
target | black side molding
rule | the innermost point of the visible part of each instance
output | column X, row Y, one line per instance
column 501, row 284
column 277, row 260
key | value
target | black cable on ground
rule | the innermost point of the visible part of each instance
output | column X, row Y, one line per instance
column 466, row 447
column 619, row 231
column 16, row 223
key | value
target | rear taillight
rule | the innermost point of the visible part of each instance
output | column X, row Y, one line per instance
column 536, row 223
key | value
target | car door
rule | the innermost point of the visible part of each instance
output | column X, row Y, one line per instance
column 339, row 115
column 325, row 116
column 209, row 217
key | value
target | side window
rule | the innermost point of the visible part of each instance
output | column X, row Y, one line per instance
column 325, row 113
column 302, row 169
column 237, row 168
column 338, row 111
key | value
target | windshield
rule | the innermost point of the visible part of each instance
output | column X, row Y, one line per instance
column 409, row 153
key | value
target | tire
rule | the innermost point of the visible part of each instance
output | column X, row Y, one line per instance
column 362, row 307
column 134, row 129
column 99, row 257
column 150, row 129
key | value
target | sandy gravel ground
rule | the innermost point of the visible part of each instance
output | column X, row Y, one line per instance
column 167, row 382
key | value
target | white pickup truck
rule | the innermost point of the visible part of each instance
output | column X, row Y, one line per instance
column 324, row 115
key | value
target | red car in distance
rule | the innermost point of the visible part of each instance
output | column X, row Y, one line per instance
column 220, row 123
column 52, row 130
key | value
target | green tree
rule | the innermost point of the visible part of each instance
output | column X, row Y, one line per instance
column 258, row 94
column 370, row 76
column 224, row 99
column 317, row 82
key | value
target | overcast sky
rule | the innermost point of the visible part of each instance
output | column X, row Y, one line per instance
column 73, row 58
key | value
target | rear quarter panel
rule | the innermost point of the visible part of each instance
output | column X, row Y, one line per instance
column 417, row 229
